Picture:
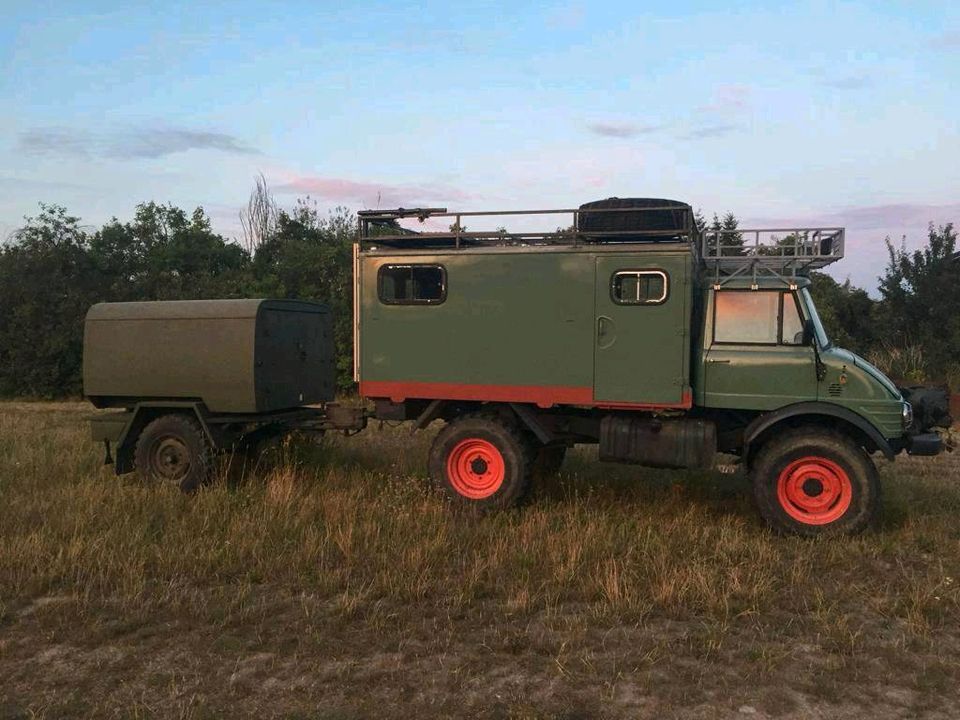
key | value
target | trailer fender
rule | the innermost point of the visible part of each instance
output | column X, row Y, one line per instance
column 142, row 414
column 866, row 432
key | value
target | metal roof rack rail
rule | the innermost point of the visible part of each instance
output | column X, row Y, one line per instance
column 657, row 221
column 782, row 253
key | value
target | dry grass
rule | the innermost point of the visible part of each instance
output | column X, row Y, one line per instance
column 332, row 584
column 904, row 362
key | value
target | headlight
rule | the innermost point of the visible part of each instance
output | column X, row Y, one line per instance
column 907, row 414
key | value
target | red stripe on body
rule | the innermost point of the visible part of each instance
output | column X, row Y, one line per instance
column 541, row 395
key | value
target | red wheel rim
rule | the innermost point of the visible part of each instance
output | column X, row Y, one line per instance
column 475, row 468
column 814, row 490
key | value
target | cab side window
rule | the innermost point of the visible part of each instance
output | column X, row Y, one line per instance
column 792, row 322
column 412, row 284
column 757, row 317
column 639, row 287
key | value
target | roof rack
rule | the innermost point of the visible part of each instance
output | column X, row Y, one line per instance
column 382, row 227
column 782, row 253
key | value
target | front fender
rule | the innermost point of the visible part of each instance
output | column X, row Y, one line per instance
column 813, row 409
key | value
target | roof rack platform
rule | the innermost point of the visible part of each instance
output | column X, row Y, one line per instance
column 781, row 253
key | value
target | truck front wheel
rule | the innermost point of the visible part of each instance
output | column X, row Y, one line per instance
column 173, row 449
column 812, row 482
column 481, row 461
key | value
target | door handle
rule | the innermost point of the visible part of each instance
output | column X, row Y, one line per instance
column 718, row 362
column 604, row 325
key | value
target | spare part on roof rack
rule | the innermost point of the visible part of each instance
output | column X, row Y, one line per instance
column 639, row 219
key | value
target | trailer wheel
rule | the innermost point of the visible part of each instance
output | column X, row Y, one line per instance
column 481, row 461
column 549, row 460
column 812, row 482
column 173, row 449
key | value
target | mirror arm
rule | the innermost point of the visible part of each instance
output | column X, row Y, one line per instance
column 821, row 369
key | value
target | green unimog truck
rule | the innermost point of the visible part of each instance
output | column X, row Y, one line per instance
column 626, row 327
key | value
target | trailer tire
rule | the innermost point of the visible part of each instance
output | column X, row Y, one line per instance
column 812, row 482
column 174, row 450
column 482, row 461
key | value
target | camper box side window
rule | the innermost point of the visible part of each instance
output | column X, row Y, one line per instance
column 639, row 287
column 412, row 284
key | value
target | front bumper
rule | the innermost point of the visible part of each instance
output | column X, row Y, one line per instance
column 924, row 444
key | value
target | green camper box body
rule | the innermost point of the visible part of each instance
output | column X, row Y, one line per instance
column 234, row 356
column 530, row 324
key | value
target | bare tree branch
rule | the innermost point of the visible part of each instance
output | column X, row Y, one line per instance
column 259, row 220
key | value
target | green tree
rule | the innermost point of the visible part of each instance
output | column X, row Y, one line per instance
column 848, row 313
column 921, row 298
column 309, row 257
column 166, row 254
column 47, row 283
column 724, row 231
column 53, row 271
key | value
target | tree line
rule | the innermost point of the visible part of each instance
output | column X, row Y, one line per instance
column 53, row 268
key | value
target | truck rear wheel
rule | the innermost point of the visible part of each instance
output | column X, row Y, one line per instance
column 174, row 450
column 481, row 461
column 811, row 482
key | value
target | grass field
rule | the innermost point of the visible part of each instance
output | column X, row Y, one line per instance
column 333, row 584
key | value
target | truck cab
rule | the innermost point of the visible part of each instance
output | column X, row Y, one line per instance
column 765, row 349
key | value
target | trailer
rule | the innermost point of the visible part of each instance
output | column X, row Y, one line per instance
column 186, row 379
column 626, row 326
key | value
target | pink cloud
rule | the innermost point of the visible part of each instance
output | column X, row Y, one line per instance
column 621, row 130
column 729, row 99
column 887, row 217
column 369, row 193
column 949, row 40
column 867, row 228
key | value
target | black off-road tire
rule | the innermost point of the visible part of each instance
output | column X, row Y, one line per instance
column 549, row 460
column 173, row 449
column 482, row 461
column 809, row 481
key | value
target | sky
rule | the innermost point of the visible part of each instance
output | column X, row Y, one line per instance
column 808, row 113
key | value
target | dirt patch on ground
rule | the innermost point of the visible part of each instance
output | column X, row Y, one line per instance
column 314, row 661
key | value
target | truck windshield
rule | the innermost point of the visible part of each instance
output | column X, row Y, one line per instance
column 811, row 311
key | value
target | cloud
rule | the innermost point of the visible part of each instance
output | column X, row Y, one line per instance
column 728, row 99
column 127, row 144
column 566, row 17
column 848, row 82
column 866, row 228
column 19, row 183
column 369, row 193
column 621, row 130
column 711, row 131
column 896, row 215
column 157, row 143
column 890, row 218
column 949, row 40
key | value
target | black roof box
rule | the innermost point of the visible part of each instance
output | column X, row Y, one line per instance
column 654, row 219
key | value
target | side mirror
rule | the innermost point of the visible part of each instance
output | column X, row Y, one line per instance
column 808, row 332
